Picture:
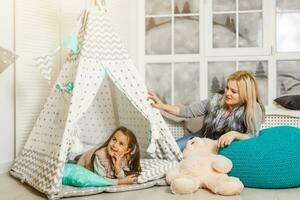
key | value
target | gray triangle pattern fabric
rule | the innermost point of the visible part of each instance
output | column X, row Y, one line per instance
column 107, row 93
column 6, row 58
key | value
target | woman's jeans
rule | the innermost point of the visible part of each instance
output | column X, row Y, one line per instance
column 181, row 142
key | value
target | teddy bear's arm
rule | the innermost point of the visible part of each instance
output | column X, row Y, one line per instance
column 221, row 164
column 172, row 174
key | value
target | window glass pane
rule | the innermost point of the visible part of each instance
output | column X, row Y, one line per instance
column 217, row 75
column 260, row 70
column 158, row 35
column 224, row 5
column 224, row 30
column 186, row 35
column 154, row 7
column 250, row 5
column 186, row 83
column 250, row 30
column 288, row 5
column 288, row 32
column 188, row 6
column 288, row 77
column 158, row 79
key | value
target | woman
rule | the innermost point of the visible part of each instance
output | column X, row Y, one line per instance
column 237, row 114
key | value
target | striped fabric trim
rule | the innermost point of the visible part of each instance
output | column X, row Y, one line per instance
column 153, row 169
column 153, row 172
column 45, row 64
column 41, row 171
column 69, row 191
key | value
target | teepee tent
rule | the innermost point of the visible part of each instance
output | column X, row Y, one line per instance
column 107, row 93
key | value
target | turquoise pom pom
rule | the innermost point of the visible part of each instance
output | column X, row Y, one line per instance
column 67, row 88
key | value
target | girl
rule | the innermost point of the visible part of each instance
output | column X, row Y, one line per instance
column 237, row 114
column 118, row 159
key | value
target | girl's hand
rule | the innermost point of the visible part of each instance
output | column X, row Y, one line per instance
column 116, row 159
column 156, row 101
column 226, row 139
column 127, row 180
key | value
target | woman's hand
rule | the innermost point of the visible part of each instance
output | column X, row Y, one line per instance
column 127, row 180
column 227, row 138
column 156, row 101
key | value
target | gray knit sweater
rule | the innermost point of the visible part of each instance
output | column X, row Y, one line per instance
column 215, row 122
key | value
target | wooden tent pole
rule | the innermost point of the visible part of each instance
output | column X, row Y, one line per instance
column 98, row 3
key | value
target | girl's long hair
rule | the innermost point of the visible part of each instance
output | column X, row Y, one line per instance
column 134, row 161
column 249, row 95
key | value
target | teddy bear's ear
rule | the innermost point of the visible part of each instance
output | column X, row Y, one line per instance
column 199, row 140
column 189, row 143
column 194, row 141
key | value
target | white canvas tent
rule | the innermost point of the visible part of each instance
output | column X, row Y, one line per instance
column 107, row 93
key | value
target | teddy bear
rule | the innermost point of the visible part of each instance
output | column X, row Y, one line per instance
column 202, row 167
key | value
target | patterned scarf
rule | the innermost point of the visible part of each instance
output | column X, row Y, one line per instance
column 215, row 122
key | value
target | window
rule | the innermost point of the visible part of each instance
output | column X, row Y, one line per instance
column 288, row 26
column 166, row 24
column 191, row 46
column 236, row 27
column 218, row 71
column 169, row 48
column 288, row 47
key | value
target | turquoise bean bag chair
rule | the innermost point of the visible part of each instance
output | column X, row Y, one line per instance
column 271, row 160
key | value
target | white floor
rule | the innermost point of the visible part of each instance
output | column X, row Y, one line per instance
column 12, row 189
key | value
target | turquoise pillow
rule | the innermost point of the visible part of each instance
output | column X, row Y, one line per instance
column 271, row 160
column 78, row 176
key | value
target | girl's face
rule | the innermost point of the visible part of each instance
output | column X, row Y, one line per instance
column 118, row 145
column 232, row 97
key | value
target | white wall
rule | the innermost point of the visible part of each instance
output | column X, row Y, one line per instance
column 123, row 16
column 6, row 88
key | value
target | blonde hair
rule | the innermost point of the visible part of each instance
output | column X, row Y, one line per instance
column 249, row 95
